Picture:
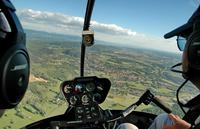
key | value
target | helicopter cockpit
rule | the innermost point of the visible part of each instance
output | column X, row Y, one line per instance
column 83, row 94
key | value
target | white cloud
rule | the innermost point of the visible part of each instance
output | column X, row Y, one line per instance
column 60, row 23
column 112, row 29
column 49, row 19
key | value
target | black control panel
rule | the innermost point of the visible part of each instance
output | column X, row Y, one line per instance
column 84, row 94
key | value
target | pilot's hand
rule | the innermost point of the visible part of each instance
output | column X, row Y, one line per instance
column 178, row 123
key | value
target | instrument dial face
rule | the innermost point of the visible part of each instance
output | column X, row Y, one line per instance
column 90, row 87
column 73, row 100
column 85, row 99
column 78, row 88
column 96, row 97
column 67, row 89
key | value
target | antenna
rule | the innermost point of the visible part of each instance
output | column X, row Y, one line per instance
column 87, row 35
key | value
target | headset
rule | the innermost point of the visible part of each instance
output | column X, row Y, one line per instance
column 191, row 55
column 14, row 58
column 191, row 71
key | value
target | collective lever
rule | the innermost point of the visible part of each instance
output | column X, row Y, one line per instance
column 146, row 98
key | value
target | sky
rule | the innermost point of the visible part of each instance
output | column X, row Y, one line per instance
column 139, row 23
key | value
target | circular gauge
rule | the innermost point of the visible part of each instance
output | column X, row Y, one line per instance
column 90, row 87
column 78, row 88
column 73, row 100
column 97, row 97
column 67, row 89
column 85, row 99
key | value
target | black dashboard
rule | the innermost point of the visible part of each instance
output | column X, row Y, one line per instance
column 84, row 94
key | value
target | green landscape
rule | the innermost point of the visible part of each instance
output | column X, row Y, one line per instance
column 56, row 58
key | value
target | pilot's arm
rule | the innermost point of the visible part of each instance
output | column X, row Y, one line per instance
column 178, row 123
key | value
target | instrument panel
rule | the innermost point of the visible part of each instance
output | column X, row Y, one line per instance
column 84, row 94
